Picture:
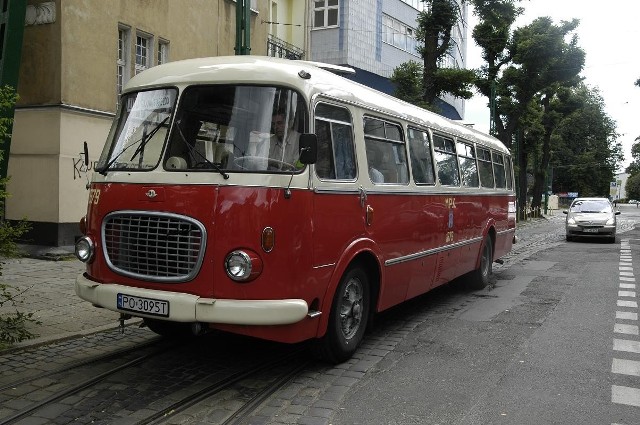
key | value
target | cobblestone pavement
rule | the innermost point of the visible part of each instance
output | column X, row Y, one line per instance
column 46, row 288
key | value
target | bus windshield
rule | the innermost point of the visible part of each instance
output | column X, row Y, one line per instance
column 138, row 134
column 229, row 128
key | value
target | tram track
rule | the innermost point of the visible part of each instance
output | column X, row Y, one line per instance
column 176, row 376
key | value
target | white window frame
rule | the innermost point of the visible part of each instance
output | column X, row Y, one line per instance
column 398, row 34
column 163, row 51
column 325, row 8
column 123, row 68
column 143, row 51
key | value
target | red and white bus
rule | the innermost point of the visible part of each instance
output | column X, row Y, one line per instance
column 276, row 199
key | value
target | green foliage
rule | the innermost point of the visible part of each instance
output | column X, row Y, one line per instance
column 632, row 187
column 13, row 326
column 422, row 84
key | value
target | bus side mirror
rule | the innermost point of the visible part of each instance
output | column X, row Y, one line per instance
column 308, row 148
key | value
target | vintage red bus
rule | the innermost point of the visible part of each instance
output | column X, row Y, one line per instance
column 276, row 199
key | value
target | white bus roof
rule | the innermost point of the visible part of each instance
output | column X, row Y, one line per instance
column 266, row 70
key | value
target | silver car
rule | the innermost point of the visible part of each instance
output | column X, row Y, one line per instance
column 591, row 217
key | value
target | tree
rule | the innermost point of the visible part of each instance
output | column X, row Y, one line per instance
column 541, row 59
column 632, row 188
column 587, row 152
column 435, row 43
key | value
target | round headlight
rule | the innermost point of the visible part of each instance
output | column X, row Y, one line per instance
column 84, row 249
column 243, row 266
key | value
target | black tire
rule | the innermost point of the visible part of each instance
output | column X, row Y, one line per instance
column 480, row 278
column 569, row 238
column 169, row 329
column 348, row 319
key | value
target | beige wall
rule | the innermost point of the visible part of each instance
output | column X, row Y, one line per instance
column 67, row 88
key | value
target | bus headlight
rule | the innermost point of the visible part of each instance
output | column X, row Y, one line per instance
column 243, row 265
column 84, row 249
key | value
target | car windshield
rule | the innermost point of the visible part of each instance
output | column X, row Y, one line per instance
column 232, row 128
column 591, row 206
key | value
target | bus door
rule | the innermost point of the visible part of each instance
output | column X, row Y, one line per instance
column 338, row 213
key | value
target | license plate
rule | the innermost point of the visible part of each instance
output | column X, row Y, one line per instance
column 143, row 305
column 589, row 230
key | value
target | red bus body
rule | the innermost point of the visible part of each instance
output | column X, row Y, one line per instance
column 303, row 232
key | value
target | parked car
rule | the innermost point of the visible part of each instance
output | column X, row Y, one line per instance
column 632, row 201
column 591, row 217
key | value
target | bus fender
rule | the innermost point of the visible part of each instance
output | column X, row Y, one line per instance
column 353, row 250
column 489, row 229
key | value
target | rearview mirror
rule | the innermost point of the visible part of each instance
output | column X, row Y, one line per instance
column 308, row 148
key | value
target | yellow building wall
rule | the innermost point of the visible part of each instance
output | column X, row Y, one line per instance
column 67, row 89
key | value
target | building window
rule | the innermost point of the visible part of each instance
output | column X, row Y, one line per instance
column 143, row 52
column 122, row 64
column 398, row 34
column 325, row 13
column 416, row 4
column 163, row 52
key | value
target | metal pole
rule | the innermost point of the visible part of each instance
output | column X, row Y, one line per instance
column 12, row 26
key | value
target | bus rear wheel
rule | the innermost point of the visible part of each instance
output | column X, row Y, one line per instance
column 479, row 278
column 348, row 318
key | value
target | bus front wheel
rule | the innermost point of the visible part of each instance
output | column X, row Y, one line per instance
column 348, row 318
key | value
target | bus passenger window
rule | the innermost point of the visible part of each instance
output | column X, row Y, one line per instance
column 507, row 165
column 336, row 158
column 468, row 166
column 386, row 154
column 486, row 169
column 421, row 160
column 498, row 169
column 445, row 155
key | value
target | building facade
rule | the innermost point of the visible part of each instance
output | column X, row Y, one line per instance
column 376, row 36
column 76, row 56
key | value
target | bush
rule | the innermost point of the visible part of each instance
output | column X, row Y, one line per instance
column 13, row 326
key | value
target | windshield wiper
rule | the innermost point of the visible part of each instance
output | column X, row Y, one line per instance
column 143, row 142
column 145, row 139
column 192, row 150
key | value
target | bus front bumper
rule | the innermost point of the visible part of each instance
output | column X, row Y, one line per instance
column 192, row 308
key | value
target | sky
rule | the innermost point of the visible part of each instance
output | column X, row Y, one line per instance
column 609, row 34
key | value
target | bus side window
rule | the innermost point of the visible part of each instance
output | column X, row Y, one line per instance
column 498, row 169
column 445, row 153
column 336, row 157
column 421, row 160
column 507, row 164
column 386, row 154
column 468, row 165
column 486, row 169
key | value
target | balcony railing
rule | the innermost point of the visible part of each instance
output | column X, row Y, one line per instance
column 281, row 49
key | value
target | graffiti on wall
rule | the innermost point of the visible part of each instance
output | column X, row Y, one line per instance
column 81, row 169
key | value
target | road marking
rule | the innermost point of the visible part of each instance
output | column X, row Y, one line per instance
column 626, row 367
column 626, row 345
column 626, row 315
column 626, row 298
column 632, row 304
column 621, row 328
column 625, row 395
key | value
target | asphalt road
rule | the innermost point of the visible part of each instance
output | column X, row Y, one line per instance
column 555, row 342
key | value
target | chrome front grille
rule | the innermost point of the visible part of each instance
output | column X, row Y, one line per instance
column 153, row 246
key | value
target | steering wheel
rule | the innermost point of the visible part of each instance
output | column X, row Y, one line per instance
column 251, row 163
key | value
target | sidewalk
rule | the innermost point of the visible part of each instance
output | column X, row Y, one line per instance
column 46, row 284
